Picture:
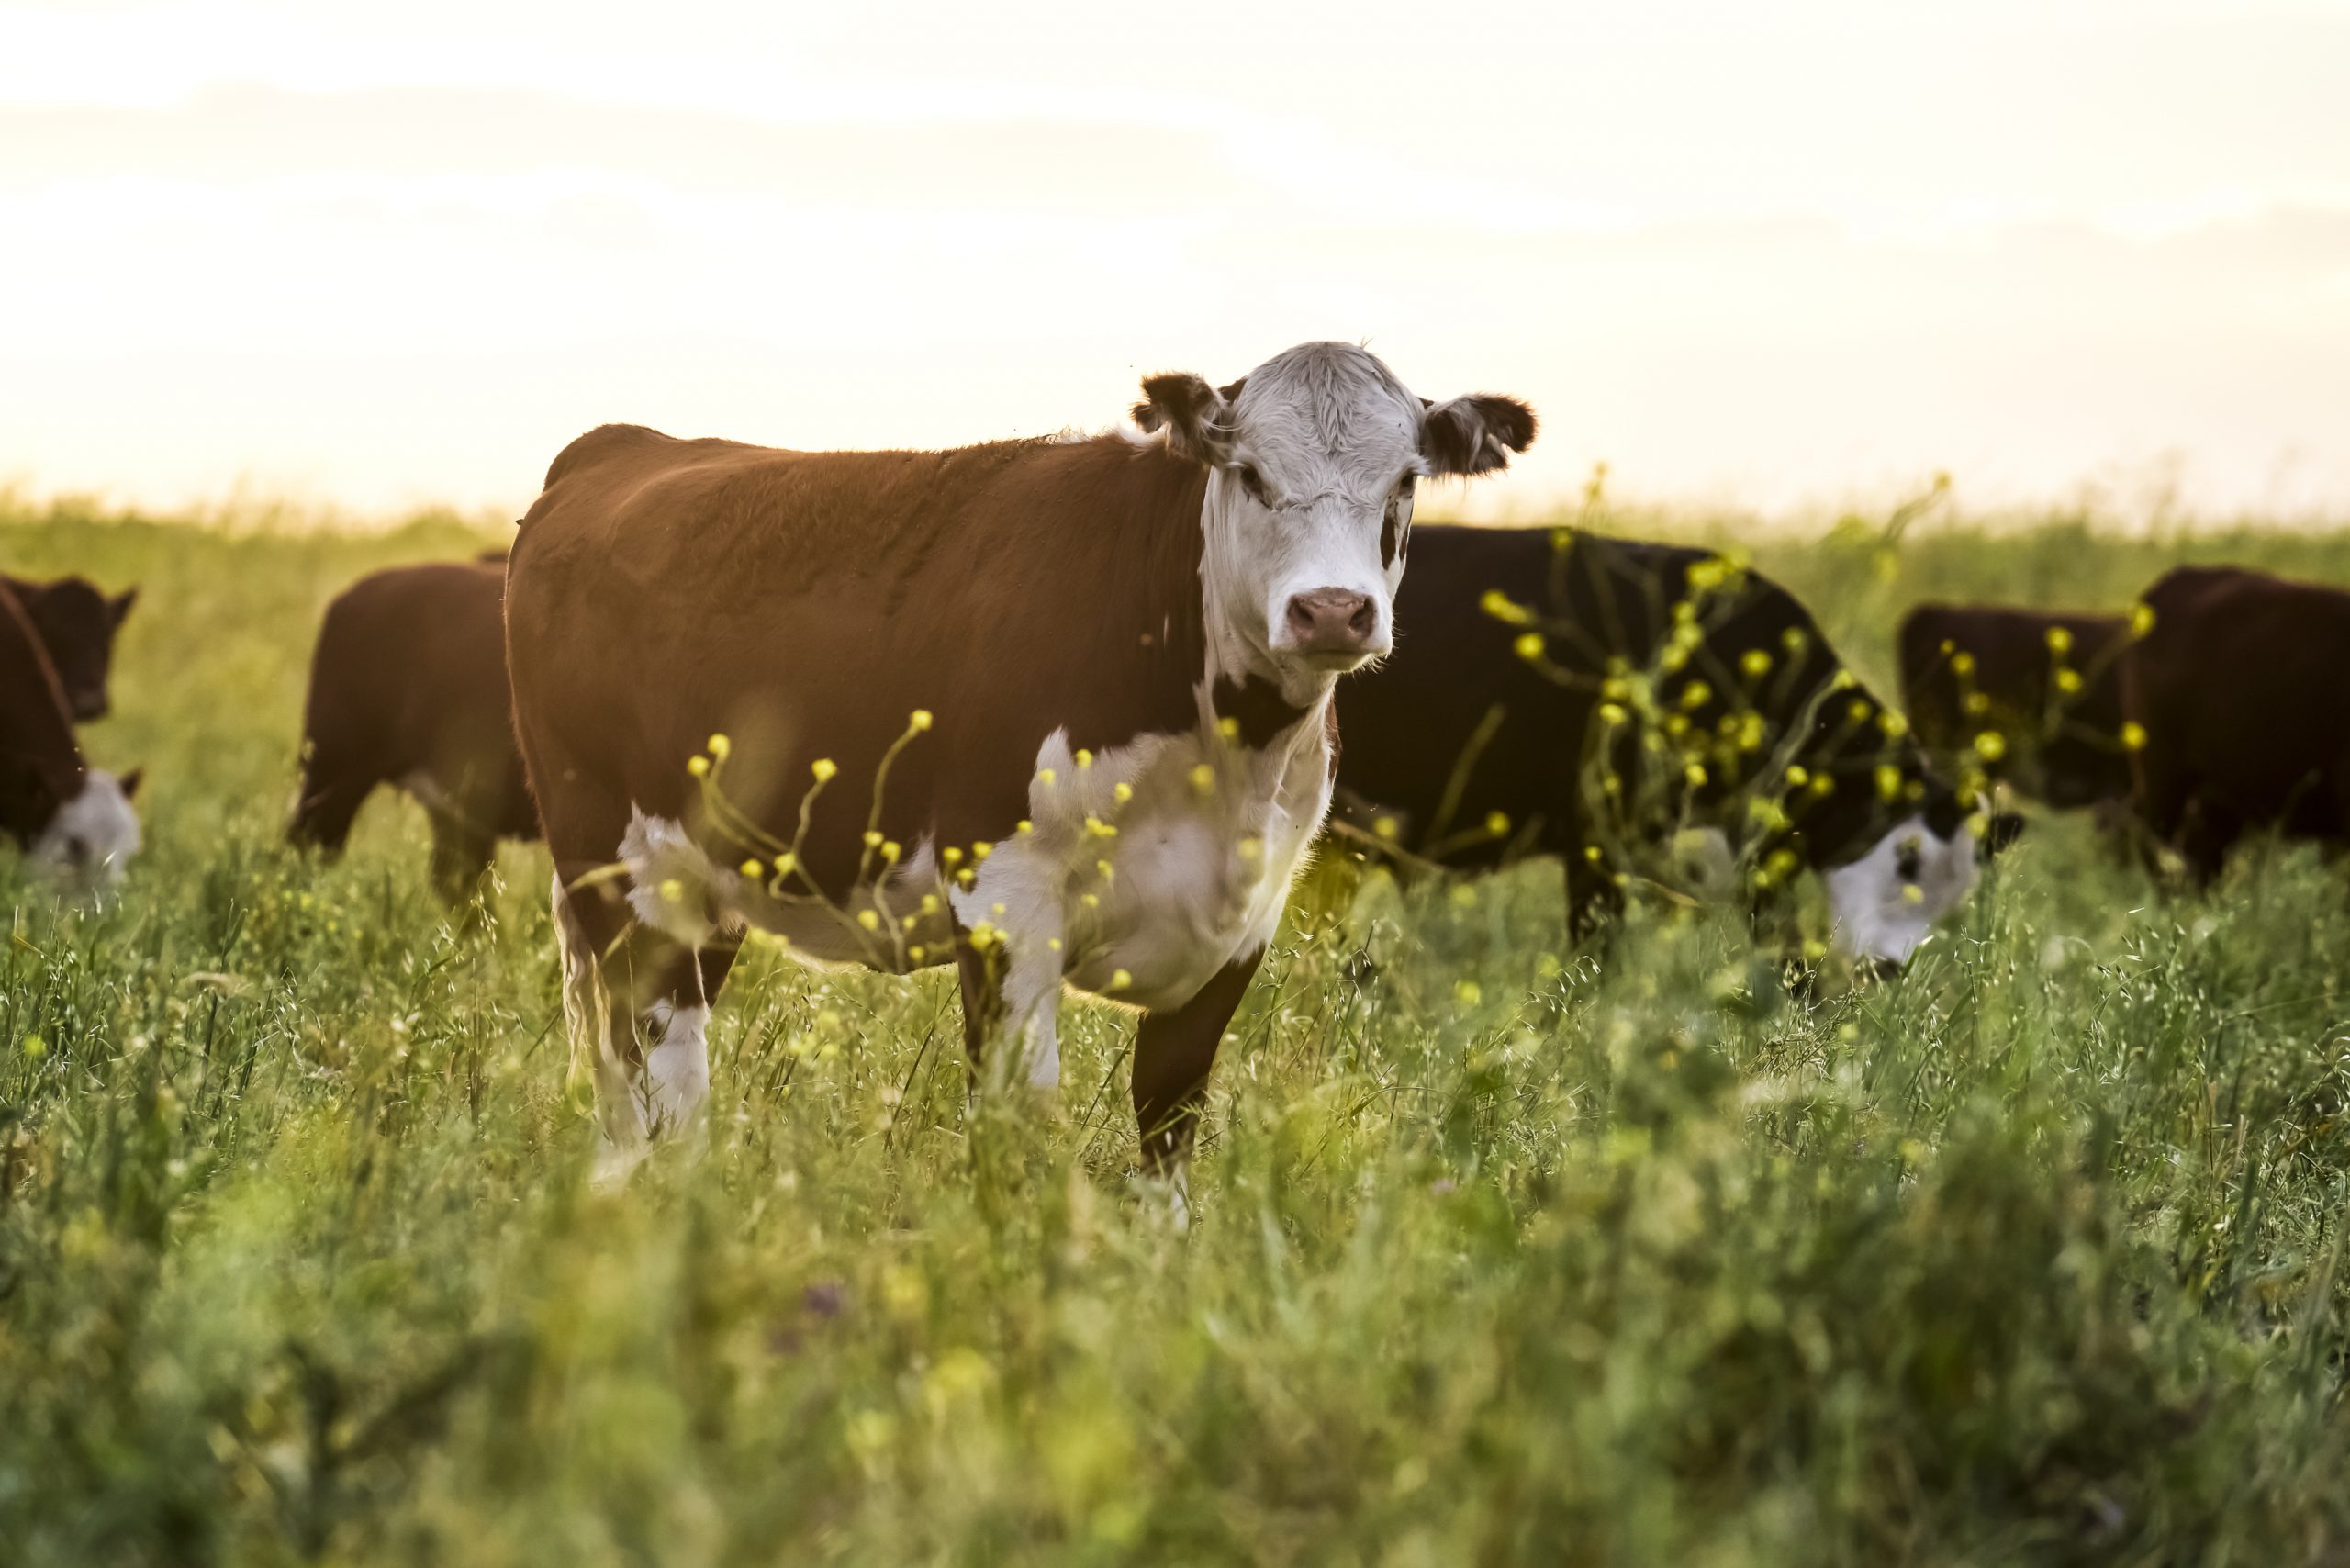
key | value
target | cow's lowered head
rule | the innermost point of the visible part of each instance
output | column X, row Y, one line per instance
column 1314, row 456
column 1884, row 903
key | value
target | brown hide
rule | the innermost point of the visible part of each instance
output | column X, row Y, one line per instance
column 805, row 604
column 407, row 688
column 77, row 625
column 2062, row 748
column 2238, row 686
column 40, row 765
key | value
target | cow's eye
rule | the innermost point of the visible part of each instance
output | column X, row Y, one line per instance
column 1908, row 862
column 1254, row 483
column 1404, row 486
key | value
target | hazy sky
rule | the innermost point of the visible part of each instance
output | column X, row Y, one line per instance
column 1753, row 251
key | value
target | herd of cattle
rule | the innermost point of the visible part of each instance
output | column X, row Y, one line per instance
column 1070, row 712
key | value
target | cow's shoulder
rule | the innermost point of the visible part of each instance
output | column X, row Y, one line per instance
column 599, row 445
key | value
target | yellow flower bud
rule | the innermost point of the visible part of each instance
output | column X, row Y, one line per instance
column 1530, row 646
column 824, row 768
column 1498, row 605
column 1990, row 745
column 920, row 718
column 720, row 746
column 2134, row 735
column 698, row 766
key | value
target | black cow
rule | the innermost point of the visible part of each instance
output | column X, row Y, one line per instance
column 1559, row 693
column 2237, row 688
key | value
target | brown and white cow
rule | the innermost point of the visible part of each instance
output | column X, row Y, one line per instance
column 73, row 822
column 2237, row 686
column 76, row 624
column 1055, row 712
column 2049, row 684
column 407, row 688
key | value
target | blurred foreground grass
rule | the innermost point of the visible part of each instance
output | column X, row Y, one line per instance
column 1505, row 1253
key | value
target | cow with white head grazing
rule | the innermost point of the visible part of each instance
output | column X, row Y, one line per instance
column 1052, row 712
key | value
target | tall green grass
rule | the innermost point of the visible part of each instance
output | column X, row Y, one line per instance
column 1504, row 1252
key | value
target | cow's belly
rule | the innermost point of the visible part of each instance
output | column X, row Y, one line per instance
column 1139, row 874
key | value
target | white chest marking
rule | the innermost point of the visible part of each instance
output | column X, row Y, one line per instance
column 1153, row 865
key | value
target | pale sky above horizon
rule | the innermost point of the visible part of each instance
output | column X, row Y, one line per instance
column 1773, row 256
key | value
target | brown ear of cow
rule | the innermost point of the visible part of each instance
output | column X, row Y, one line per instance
column 128, row 782
column 118, row 607
column 1195, row 416
column 1474, row 435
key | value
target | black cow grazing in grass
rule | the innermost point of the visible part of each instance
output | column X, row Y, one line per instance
column 407, row 688
column 73, row 822
column 1055, row 713
column 1594, row 699
column 2237, row 690
column 2045, row 688
column 76, row 624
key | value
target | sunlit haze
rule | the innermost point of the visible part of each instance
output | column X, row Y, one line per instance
column 1773, row 256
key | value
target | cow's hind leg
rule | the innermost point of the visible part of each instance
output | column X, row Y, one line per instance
column 462, row 854
column 638, row 1011
column 1174, row 1052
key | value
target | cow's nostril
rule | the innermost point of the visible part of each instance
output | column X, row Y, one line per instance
column 1364, row 620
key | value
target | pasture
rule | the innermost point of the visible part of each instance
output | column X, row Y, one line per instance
column 1504, row 1253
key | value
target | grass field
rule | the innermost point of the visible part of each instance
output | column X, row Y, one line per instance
column 1504, row 1253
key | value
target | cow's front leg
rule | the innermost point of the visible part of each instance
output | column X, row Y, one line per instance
column 1012, row 988
column 1174, row 1052
column 638, row 1018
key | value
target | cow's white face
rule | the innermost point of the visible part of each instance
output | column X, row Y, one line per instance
column 1314, row 456
column 92, row 837
column 1885, row 902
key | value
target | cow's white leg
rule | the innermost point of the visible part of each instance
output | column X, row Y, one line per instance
column 1031, row 998
column 639, row 1031
column 675, row 1083
column 587, row 1015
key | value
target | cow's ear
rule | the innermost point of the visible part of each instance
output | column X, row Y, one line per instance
column 2001, row 831
column 1474, row 435
column 118, row 607
column 1195, row 416
column 128, row 782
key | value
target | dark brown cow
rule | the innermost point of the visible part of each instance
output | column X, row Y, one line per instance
column 407, row 688
column 1562, row 693
column 2048, row 684
column 77, row 626
column 71, row 820
column 1052, row 712
column 2237, row 685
